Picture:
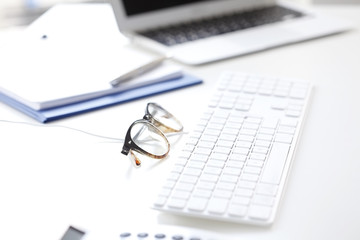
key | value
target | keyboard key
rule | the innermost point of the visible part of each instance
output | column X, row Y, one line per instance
column 258, row 156
column 263, row 143
column 286, row 129
column 217, row 205
column 262, row 150
column 185, row 186
column 250, row 125
column 298, row 93
column 220, row 193
column 169, row 184
column 206, row 185
column 177, row 169
column 176, row 203
column 204, row 144
column 192, row 172
column 259, row 212
column 201, row 150
column 216, row 163
column 237, row 210
column 189, row 148
column 215, row 126
column 283, row 138
column 197, row 204
column 165, row 192
column 289, row 122
column 181, row 194
column 244, row 144
column 263, row 200
column 185, row 154
column 293, row 113
column 252, row 170
column 209, row 138
column 225, row 143
column 236, row 119
column 265, row 137
column 228, row 178
column 203, row 193
column 182, row 161
column 232, row 171
column 275, row 163
column 241, row 200
column 223, row 150
column 230, row 186
column 250, row 132
column 213, row 170
column 188, row 179
column 246, row 138
column 211, row 132
column 270, row 123
column 242, row 107
column 196, row 164
column 199, row 157
column 241, row 150
column 227, row 137
column 238, row 157
column 160, row 201
column 220, row 121
column 219, row 156
column 209, row 177
column 244, row 192
column 267, row 189
column 246, row 184
column 249, row 177
column 253, row 120
column 235, row 164
column 255, row 163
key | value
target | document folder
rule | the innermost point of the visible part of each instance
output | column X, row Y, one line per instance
column 52, row 114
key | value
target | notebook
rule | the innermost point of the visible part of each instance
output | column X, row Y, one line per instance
column 54, row 71
column 202, row 31
column 63, row 68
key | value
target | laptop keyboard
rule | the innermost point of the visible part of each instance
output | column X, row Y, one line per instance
column 234, row 164
column 204, row 28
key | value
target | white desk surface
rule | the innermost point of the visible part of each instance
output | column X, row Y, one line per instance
column 54, row 176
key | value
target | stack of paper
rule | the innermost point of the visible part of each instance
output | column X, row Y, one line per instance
column 49, row 75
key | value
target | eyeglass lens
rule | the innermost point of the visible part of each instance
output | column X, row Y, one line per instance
column 164, row 117
column 149, row 138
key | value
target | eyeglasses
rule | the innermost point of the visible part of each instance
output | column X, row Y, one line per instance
column 147, row 136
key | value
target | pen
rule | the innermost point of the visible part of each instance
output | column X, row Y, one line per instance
column 138, row 71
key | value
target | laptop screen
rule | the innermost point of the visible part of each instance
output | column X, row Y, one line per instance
column 133, row 7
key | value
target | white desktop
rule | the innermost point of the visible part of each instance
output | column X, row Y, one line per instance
column 52, row 177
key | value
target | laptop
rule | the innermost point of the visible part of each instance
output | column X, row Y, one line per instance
column 201, row 31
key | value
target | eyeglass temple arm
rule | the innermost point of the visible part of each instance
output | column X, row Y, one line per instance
column 127, row 144
column 125, row 150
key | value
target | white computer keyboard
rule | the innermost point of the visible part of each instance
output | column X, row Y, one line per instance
column 235, row 162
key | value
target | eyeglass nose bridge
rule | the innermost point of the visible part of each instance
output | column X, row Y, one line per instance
column 148, row 117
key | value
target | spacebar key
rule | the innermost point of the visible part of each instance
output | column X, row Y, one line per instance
column 275, row 163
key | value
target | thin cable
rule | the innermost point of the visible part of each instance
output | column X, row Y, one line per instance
column 60, row 126
column 79, row 130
